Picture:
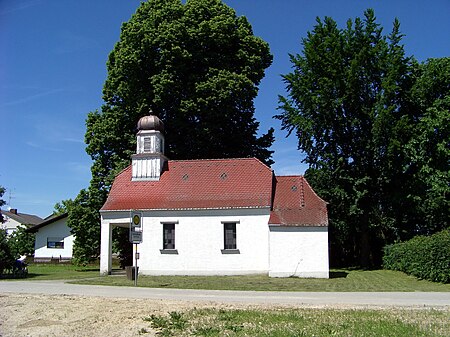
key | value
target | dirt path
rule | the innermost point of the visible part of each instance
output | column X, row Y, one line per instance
column 78, row 316
column 54, row 308
column 33, row 315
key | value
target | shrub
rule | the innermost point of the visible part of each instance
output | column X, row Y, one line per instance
column 6, row 258
column 426, row 257
column 21, row 242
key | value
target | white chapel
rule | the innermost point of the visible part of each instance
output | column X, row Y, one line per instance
column 215, row 216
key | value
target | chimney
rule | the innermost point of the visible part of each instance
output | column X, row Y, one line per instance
column 13, row 211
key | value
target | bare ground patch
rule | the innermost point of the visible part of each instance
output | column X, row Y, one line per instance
column 77, row 316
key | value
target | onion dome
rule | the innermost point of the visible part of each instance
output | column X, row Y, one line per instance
column 150, row 122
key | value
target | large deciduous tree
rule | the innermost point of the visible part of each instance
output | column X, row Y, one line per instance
column 349, row 104
column 197, row 66
column 2, row 191
column 2, row 202
column 83, row 221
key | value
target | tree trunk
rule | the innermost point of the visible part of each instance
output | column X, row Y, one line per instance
column 364, row 249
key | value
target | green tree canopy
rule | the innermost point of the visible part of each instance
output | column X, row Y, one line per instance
column 429, row 149
column 63, row 206
column 21, row 242
column 197, row 66
column 2, row 191
column 6, row 257
column 84, row 222
column 350, row 108
column 2, row 202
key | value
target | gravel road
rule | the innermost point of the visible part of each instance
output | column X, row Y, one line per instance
column 56, row 308
column 355, row 299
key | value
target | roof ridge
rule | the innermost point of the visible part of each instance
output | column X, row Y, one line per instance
column 221, row 160
column 213, row 159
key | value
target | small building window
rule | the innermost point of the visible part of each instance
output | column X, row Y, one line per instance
column 229, row 233
column 169, row 236
column 55, row 243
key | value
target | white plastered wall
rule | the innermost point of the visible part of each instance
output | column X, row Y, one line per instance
column 57, row 229
column 109, row 220
column 199, row 241
column 299, row 251
column 10, row 225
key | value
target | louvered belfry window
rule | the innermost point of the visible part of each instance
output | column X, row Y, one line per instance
column 229, row 235
column 147, row 144
column 169, row 236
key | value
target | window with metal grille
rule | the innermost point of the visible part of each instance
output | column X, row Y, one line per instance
column 169, row 236
column 229, row 232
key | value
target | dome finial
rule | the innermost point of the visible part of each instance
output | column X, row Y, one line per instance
column 150, row 122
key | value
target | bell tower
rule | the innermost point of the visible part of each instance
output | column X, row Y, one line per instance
column 149, row 160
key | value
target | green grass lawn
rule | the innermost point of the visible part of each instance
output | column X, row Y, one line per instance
column 340, row 280
column 301, row 322
column 66, row 271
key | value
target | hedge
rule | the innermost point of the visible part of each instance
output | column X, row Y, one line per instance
column 426, row 257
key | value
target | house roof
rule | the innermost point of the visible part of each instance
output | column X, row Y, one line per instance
column 296, row 204
column 51, row 219
column 22, row 218
column 196, row 184
column 221, row 184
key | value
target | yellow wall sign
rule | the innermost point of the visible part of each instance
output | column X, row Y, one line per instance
column 136, row 218
column 135, row 227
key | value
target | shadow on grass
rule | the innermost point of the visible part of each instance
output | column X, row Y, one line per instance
column 12, row 277
column 338, row 274
column 33, row 275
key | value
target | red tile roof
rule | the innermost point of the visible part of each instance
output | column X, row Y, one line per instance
column 296, row 204
column 218, row 184
column 196, row 184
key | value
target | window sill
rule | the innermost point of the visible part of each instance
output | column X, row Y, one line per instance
column 230, row 251
column 169, row 251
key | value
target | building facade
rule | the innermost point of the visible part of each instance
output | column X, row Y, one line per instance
column 214, row 217
column 12, row 220
column 53, row 240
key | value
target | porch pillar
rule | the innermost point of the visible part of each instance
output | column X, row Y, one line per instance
column 105, row 248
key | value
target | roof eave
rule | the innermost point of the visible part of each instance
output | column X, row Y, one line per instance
column 297, row 225
column 185, row 209
column 35, row 228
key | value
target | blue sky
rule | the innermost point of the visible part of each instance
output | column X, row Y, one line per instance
column 53, row 65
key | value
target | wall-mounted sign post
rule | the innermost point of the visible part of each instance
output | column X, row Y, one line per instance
column 136, row 257
column 135, row 238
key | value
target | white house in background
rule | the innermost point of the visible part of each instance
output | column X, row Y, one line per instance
column 11, row 220
column 53, row 240
column 215, row 217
